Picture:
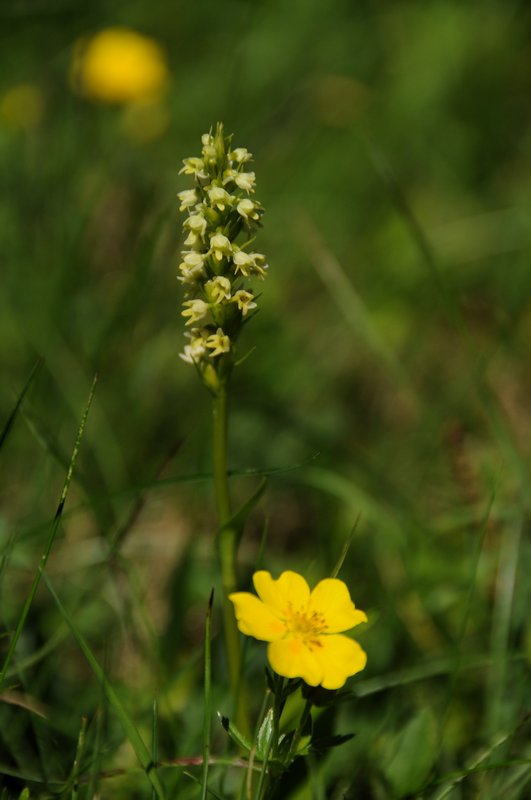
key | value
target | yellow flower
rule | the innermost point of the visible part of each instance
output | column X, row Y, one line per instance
column 195, row 309
column 218, row 342
column 119, row 65
column 302, row 627
column 244, row 300
column 218, row 289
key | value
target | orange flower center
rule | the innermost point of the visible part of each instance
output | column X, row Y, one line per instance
column 303, row 625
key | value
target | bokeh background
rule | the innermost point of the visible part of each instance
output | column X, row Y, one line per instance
column 388, row 387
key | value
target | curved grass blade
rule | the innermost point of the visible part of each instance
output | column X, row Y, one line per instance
column 196, row 477
column 51, row 537
column 344, row 551
column 11, row 419
column 154, row 740
column 481, row 764
column 96, row 748
column 211, row 792
column 237, row 522
column 345, row 296
column 80, row 749
column 442, row 666
column 142, row 752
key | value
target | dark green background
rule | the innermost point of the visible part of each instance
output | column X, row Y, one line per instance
column 392, row 146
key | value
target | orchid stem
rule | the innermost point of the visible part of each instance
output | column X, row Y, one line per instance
column 227, row 544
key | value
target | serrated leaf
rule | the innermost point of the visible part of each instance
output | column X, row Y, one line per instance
column 235, row 734
column 265, row 736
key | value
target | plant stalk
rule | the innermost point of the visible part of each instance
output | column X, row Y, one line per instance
column 227, row 544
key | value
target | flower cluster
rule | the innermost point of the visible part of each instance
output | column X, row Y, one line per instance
column 303, row 628
column 221, row 218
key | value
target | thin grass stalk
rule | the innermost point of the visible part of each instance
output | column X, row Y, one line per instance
column 154, row 741
column 11, row 419
column 96, row 749
column 141, row 750
column 207, row 698
column 80, row 749
column 51, row 538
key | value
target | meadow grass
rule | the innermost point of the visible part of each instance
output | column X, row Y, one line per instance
column 384, row 403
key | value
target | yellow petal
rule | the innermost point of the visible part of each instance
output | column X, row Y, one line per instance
column 331, row 598
column 293, row 659
column 289, row 591
column 338, row 657
column 255, row 618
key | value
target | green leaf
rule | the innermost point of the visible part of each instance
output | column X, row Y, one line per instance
column 304, row 746
column 24, row 795
column 411, row 755
column 235, row 734
column 265, row 735
column 284, row 748
column 327, row 742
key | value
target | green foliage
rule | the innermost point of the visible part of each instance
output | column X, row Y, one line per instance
column 388, row 391
column 410, row 755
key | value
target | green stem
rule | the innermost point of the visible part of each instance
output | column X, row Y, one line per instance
column 277, row 712
column 227, row 544
column 306, row 714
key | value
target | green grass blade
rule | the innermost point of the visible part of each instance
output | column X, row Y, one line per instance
column 505, row 592
column 13, row 415
column 481, row 764
column 344, row 551
column 80, row 749
column 340, row 288
column 207, row 698
column 51, row 537
column 96, row 749
column 136, row 490
column 440, row 666
column 211, row 792
column 237, row 521
column 142, row 752
column 154, row 740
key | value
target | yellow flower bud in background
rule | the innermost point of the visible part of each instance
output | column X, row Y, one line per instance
column 119, row 65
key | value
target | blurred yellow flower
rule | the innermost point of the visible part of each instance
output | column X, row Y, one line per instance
column 302, row 627
column 21, row 107
column 119, row 65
